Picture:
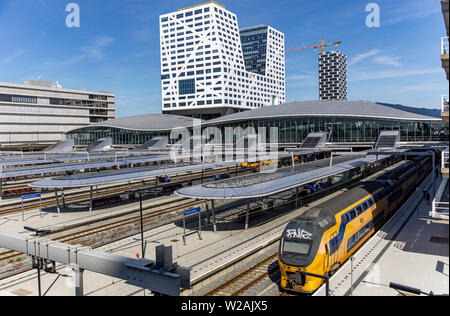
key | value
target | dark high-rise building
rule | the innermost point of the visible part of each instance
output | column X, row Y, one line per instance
column 333, row 76
column 254, row 47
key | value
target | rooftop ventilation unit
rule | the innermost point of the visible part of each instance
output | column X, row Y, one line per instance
column 388, row 140
column 102, row 144
column 65, row 146
column 155, row 143
column 314, row 140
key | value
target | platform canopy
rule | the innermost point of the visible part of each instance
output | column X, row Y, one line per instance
column 77, row 166
column 124, row 175
column 261, row 185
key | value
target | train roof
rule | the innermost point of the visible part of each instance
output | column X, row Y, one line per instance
column 344, row 200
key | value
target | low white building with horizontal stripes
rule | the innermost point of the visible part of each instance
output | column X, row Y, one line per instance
column 38, row 114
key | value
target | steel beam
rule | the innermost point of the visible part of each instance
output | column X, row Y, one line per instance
column 165, row 279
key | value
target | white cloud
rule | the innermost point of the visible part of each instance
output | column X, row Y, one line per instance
column 360, row 57
column 298, row 77
column 387, row 60
column 18, row 53
column 96, row 50
column 375, row 75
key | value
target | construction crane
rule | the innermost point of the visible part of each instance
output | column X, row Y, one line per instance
column 321, row 46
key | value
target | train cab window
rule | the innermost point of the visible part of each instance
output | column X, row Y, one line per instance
column 370, row 201
column 359, row 210
column 296, row 247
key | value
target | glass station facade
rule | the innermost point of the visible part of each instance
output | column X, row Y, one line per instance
column 89, row 135
column 290, row 130
column 346, row 130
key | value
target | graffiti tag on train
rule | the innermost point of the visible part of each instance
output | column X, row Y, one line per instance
column 298, row 233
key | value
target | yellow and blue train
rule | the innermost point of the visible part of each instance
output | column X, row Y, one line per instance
column 320, row 240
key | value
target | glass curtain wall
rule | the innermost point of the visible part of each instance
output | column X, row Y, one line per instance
column 291, row 130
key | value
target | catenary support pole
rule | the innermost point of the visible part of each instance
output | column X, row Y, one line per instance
column 90, row 199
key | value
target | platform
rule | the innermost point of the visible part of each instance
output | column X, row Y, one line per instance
column 214, row 251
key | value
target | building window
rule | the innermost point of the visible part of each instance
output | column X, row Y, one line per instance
column 186, row 86
column 17, row 98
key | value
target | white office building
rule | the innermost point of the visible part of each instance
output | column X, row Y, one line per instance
column 37, row 114
column 211, row 68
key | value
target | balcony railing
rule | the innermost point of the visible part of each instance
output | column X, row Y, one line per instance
column 444, row 45
column 445, row 101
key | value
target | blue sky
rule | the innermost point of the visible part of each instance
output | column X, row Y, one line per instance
column 116, row 47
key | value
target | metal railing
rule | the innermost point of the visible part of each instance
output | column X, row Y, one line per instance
column 444, row 45
column 440, row 209
column 444, row 102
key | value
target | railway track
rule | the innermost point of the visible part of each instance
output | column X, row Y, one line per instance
column 49, row 201
column 169, row 211
column 249, row 279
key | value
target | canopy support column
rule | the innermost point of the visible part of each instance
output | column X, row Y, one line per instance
column 90, row 198
column 247, row 215
column 57, row 201
column 214, row 216
column 63, row 198
column 207, row 212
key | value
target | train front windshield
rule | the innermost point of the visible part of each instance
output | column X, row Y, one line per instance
column 296, row 247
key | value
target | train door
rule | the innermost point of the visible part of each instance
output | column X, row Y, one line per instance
column 333, row 247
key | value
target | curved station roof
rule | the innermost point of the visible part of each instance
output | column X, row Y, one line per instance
column 332, row 108
column 148, row 122
column 366, row 109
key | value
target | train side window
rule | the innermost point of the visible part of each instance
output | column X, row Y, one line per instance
column 371, row 203
column 352, row 214
column 359, row 210
column 365, row 206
